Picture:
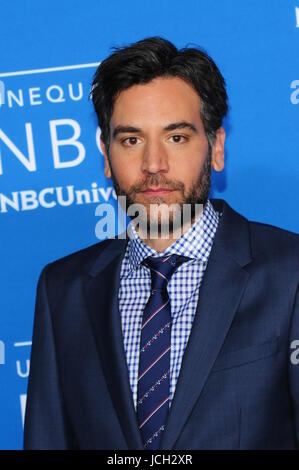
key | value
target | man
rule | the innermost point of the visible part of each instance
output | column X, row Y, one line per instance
column 182, row 342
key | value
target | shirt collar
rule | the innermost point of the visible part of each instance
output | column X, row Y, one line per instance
column 195, row 243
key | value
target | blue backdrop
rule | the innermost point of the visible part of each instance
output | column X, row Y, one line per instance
column 51, row 168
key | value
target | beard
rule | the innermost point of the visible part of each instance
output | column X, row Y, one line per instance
column 197, row 195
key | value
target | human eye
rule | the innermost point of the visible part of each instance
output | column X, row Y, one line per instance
column 178, row 138
column 130, row 141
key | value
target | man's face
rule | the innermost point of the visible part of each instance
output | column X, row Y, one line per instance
column 159, row 152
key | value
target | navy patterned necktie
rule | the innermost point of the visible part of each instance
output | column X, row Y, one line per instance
column 154, row 358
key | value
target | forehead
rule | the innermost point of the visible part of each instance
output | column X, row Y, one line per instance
column 162, row 100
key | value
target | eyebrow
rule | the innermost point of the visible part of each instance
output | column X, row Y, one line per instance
column 125, row 130
column 180, row 125
column 170, row 127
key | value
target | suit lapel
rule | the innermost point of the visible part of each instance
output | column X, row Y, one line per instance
column 102, row 298
column 220, row 294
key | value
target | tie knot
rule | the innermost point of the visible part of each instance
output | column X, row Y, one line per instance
column 162, row 268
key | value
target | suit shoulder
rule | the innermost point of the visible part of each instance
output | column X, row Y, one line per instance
column 276, row 240
column 266, row 231
column 264, row 238
column 81, row 261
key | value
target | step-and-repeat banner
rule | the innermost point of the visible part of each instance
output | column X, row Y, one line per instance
column 51, row 167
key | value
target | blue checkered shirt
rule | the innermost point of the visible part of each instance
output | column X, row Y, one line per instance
column 183, row 291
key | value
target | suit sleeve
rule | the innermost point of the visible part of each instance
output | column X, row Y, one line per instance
column 294, row 364
column 46, row 425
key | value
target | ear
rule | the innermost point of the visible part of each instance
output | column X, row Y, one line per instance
column 218, row 150
column 107, row 170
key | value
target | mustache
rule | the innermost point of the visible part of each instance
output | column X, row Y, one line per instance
column 156, row 181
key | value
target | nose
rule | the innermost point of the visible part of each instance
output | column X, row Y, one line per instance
column 155, row 158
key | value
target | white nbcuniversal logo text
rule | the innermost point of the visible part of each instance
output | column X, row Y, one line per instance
column 30, row 162
column 23, row 369
column 47, row 198
column 37, row 96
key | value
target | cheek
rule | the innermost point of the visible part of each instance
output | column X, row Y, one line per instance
column 188, row 173
column 189, row 163
column 125, row 173
column 126, row 165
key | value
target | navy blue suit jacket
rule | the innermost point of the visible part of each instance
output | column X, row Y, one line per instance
column 238, row 386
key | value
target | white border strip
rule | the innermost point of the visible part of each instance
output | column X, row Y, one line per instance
column 49, row 69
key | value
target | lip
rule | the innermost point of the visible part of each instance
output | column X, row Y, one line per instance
column 157, row 191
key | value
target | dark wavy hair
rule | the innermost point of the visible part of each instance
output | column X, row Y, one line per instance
column 154, row 57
